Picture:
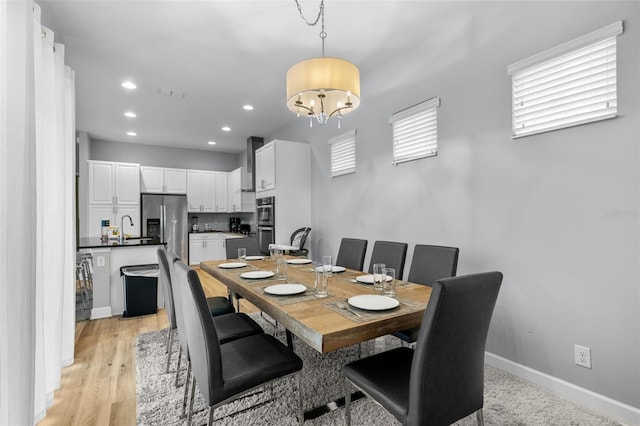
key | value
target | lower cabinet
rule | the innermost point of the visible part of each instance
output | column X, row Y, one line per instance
column 206, row 247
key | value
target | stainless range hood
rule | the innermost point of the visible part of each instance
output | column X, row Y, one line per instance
column 249, row 167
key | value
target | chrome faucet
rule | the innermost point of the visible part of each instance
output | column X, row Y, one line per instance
column 122, row 227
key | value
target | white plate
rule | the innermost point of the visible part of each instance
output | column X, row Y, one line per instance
column 255, row 257
column 373, row 302
column 299, row 261
column 334, row 268
column 256, row 274
column 368, row 279
column 232, row 265
column 285, row 289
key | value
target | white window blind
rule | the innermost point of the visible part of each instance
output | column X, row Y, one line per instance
column 571, row 84
column 415, row 131
column 343, row 154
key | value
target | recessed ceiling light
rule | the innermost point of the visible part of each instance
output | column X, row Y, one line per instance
column 128, row 85
column 131, row 133
column 211, row 143
column 226, row 129
column 130, row 114
column 248, row 107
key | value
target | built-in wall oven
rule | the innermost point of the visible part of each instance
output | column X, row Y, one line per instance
column 265, row 209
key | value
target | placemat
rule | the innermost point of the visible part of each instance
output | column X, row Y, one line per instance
column 295, row 298
column 360, row 315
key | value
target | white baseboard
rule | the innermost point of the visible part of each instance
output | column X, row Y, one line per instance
column 617, row 410
column 104, row 312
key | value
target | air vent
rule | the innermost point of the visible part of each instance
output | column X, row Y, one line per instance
column 174, row 94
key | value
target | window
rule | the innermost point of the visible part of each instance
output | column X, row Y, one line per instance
column 415, row 131
column 343, row 154
column 568, row 85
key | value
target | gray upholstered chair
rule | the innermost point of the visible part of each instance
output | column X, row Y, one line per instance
column 429, row 263
column 442, row 380
column 230, row 326
column 225, row 372
column 351, row 253
column 233, row 244
column 392, row 254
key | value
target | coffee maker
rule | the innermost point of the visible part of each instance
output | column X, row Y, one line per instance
column 234, row 224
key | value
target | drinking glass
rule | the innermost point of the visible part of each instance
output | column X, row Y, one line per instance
column 322, row 282
column 389, row 282
column 326, row 263
column 242, row 255
column 378, row 276
column 281, row 268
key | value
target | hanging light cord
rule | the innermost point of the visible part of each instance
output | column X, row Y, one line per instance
column 320, row 18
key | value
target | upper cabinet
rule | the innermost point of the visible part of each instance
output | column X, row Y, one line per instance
column 201, row 191
column 239, row 201
column 221, row 192
column 114, row 183
column 163, row 180
column 266, row 167
column 206, row 191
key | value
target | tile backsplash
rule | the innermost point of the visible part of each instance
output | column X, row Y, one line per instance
column 220, row 221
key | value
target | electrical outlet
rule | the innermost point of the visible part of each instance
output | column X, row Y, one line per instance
column 583, row 356
column 100, row 260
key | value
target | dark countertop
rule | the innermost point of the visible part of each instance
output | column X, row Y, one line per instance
column 96, row 242
column 219, row 232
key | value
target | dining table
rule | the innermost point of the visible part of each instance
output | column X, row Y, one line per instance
column 329, row 323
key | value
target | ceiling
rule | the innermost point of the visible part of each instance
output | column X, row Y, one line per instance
column 196, row 63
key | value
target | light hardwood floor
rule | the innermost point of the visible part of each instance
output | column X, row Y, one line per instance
column 100, row 387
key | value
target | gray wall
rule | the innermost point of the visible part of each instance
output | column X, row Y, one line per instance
column 148, row 155
column 557, row 213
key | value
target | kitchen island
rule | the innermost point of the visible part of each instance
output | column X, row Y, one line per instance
column 108, row 258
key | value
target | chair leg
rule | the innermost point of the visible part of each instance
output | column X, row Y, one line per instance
column 480, row 417
column 193, row 393
column 178, row 366
column 347, row 403
column 300, row 409
column 169, row 351
column 211, row 410
column 186, row 391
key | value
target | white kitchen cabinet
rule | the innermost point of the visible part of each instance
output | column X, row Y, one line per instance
column 206, row 246
column 239, row 201
column 266, row 167
column 114, row 191
column 113, row 183
column 221, row 192
column 163, row 180
column 201, row 186
column 97, row 212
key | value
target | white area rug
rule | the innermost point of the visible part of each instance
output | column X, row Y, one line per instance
column 508, row 400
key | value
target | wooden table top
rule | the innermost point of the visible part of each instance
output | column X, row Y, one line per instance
column 319, row 321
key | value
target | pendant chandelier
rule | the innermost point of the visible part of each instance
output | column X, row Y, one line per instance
column 322, row 87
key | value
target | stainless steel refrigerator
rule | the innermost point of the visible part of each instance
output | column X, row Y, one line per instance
column 164, row 218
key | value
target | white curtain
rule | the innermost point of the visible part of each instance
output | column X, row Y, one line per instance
column 37, row 232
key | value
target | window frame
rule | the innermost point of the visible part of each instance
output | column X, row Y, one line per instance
column 564, row 113
column 401, row 122
column 344, row 142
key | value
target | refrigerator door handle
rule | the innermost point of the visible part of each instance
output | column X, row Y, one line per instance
column 163, row 215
